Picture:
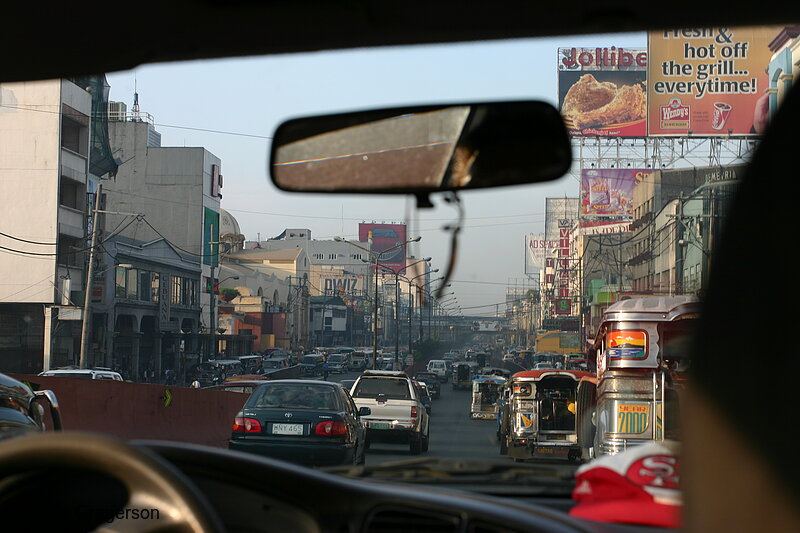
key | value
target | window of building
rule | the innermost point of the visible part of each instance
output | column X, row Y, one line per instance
column 154, row 286
column 119, row 283
column 74, row 131
column 132, row 287
column 70, row 194
column 331, row 256
column 176, row 290
column 68, row 251
column 144, row 285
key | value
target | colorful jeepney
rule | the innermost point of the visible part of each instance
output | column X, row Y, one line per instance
column 485, row 394
column 539, row 419
column 640, row 353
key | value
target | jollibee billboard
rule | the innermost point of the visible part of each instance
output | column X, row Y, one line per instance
column 708, row 81
column 601, row 91
column 385, row 237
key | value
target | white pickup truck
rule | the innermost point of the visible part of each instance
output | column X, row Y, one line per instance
column 397, row 412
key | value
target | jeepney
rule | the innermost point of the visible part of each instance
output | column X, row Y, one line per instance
column 540, row 415
column 485, row 394
column 641, row 354
column 462, row 375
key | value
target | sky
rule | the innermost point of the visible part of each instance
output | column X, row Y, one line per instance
column 232, row 107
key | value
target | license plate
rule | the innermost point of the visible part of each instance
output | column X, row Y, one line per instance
column 379, row 425
column 287, row 429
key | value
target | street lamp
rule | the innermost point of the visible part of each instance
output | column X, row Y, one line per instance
column 214, row 288
column 376, row 256
column 397, row 307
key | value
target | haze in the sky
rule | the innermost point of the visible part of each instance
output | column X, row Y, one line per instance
column 232, row 107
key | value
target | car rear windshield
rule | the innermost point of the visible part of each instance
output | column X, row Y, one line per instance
column 294, row 396
column 310, row 360
column 335, row 358
column 392, row 388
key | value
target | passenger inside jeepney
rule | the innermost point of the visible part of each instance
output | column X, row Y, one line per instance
column 556, row 408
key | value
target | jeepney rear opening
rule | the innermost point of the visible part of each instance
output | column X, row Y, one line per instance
column 556, row 396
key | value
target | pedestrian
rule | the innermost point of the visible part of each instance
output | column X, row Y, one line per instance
column 195, row 384
column 325, row 370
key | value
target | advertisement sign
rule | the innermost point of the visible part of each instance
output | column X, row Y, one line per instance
column 708, row 81
column 536, row 247
column 627, row 344
column 601, row 91
column 384, row 238
column 607, row 193
column 164, row 302
column 486, row 326
column 557, row 210
column 337, row 285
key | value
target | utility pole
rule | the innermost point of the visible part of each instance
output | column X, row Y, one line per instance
column 396, row 320
column 212, row 298
column 87, row 300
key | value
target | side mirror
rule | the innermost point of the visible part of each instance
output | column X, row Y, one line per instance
column 49, row 397
column 364, row 411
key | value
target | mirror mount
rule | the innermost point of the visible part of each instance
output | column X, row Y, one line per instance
column 423, row 200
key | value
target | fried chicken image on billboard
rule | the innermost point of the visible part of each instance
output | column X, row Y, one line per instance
column 590, row 103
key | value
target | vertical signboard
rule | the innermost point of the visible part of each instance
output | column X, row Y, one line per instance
column 164, row 302
column 563, row 268
column 709, row 81
column 601, row 91
column 385, row 240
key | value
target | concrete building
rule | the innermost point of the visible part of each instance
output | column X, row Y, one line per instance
column 176, row 189
column 283, row 281
column 145, row 308
column 52, row 153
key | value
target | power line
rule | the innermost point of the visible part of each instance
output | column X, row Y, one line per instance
column 27, row 241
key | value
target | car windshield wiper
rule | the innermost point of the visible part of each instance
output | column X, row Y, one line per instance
column 539, row 478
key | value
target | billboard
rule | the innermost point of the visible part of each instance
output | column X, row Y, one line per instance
column 607, row 193
column 341, row 284
column 602, row 91
column 708, row 81
column 385, row 237
column 536, row 247
column 556, row 211
column 486, row 326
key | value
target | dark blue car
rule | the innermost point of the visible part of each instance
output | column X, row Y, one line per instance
column 314, row 423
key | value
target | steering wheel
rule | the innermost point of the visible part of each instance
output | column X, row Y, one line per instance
column 107, row 485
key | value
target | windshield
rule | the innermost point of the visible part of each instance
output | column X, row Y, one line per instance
column 395, row 389
column 199, row 257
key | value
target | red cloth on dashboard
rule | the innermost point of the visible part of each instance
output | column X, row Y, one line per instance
column 638, row 486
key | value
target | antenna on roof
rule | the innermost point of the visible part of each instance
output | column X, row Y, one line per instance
column 135, row 101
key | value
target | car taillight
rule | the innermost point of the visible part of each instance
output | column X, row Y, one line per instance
column 413, row 412
column 246, row 425
column 331, row 428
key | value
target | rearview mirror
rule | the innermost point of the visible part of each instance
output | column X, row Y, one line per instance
column 422, row 149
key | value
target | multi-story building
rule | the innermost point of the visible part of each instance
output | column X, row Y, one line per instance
column 145, row 307
column 53, row 152
column 175, row 192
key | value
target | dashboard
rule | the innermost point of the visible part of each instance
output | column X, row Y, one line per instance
column 255, row 494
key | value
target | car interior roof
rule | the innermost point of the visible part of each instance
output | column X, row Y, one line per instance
column 106, row 37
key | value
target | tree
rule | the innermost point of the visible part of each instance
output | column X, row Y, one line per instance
column 228, row 294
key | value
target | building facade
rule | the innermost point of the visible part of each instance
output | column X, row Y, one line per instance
column 53, row 152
